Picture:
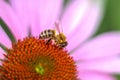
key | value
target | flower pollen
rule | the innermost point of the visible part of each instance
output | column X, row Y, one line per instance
column 31, row 58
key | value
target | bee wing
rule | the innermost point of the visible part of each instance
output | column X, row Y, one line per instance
column 58, row 26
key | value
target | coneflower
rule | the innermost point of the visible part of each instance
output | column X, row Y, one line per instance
column 27, row 57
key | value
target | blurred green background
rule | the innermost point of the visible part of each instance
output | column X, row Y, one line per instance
column 111, row 20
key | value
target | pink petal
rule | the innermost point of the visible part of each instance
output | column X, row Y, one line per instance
column 26, row 10
column 4, row 38
column 49, row 12
column 40, row 14
column 73, row 14
column 102, row 46
column 107, row 65
column 1, row 54
column 94, row 76
column 10, row 18
column 86, row 26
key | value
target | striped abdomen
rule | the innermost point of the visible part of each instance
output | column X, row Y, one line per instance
column 47, row 34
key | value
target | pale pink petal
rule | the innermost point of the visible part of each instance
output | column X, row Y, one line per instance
column 4, row 38
column 104, row 45
column 106, row 65
column 49, row 12
column 87, row 25
column 10, row 18
column 41, row 14
column 27, row 11
column 23, row 9
column 73, row 14
column 94, row 76
column 1, row 54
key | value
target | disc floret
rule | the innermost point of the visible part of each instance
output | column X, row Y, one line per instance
column 32, row 58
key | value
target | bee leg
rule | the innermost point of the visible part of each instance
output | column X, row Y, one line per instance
column 48, row 41
column 60, row 47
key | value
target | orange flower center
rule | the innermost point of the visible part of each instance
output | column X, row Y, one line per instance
column 32, row 58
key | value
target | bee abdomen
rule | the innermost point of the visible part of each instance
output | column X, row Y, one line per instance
column 47, row 34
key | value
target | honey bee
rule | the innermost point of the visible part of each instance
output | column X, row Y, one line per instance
column 51, row 34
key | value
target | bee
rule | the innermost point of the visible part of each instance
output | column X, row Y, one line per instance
column 51, row 34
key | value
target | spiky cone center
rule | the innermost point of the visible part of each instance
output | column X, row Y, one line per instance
column 32, row 58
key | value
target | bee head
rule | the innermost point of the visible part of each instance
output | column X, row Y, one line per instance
column 64, row 44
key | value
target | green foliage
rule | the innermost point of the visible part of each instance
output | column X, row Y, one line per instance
column 117, row 76
column 7, row 30
column 111, row 19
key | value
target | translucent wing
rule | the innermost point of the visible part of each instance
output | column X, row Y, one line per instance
column 58, row 27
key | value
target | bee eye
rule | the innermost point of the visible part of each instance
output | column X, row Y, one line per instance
column 63, row 44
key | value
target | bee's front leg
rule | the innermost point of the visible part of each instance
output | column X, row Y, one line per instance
column 48, row 41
